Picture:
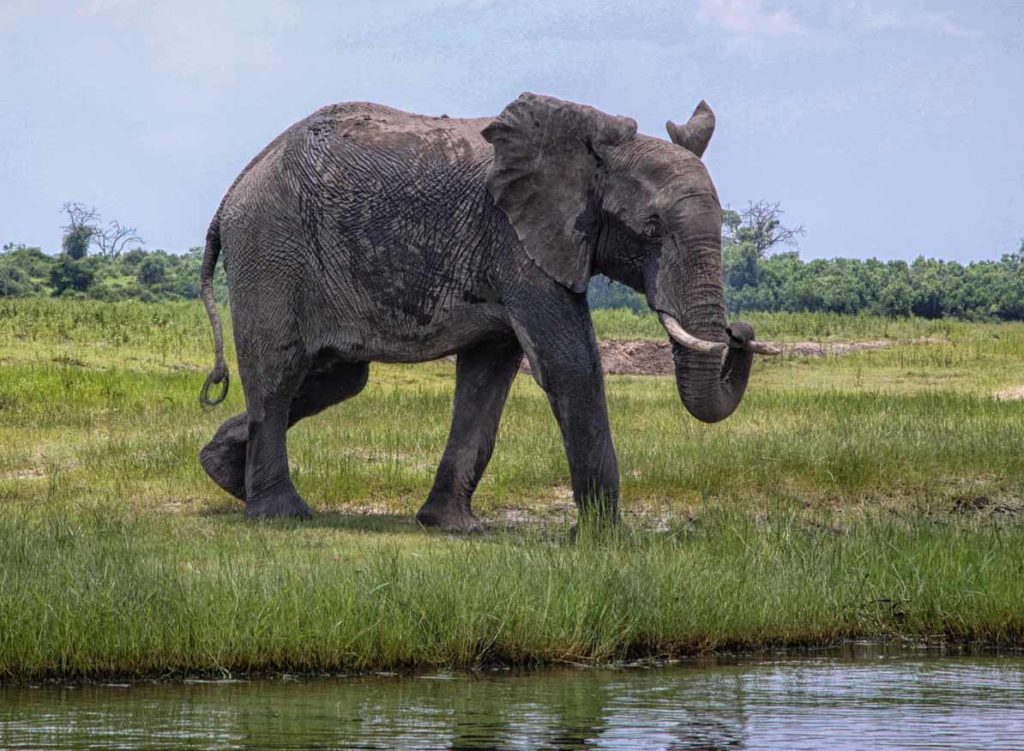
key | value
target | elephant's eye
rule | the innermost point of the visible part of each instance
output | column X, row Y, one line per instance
column 652, row 228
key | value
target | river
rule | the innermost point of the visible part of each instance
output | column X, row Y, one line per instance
column 869, row 700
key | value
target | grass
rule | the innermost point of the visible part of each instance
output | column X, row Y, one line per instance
column 821, row 327
column 871, row 495
column 95, row 590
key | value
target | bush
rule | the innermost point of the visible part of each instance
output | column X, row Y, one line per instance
column 71, row 274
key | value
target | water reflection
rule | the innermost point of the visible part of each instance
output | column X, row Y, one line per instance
column 876, row 702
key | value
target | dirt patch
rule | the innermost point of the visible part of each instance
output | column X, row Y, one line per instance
column 1011, row 394
column 23, row 474
column 631, row 358
column 655, row 358
column 814, row 349
column 977, row 504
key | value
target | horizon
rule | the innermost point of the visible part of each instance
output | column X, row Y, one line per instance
column 853, row 118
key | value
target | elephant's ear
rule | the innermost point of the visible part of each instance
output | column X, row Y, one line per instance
column 696, row 133
column 547, row 153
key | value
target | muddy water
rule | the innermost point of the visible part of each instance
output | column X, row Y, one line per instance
column 874, row 701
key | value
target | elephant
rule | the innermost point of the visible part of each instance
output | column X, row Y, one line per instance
column 367, row 234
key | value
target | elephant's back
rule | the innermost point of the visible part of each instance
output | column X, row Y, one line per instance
column 376, row 125
column 347, row 134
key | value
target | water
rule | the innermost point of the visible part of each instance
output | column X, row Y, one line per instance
column 872, row 702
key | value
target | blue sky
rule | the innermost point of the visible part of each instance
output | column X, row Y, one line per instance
column 888, row 129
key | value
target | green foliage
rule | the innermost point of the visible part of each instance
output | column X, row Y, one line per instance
column 927, row 288
column 781, row 282
column 76, row 242
column 153, row 271
column 24, row 271
column 71, row 274
column 138, row 274
column 605, row 293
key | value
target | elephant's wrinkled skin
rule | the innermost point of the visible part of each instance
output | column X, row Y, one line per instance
column 363, row 233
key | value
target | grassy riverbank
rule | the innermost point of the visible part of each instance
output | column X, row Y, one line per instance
column 874, row 494
column 90, row 591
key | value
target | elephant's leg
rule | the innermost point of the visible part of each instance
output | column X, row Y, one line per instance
column 223, row 457
column 328, row 382
column 271, row 383
column 483, row 377
column 558, row 336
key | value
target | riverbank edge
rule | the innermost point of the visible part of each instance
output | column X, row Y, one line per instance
column 843, row 650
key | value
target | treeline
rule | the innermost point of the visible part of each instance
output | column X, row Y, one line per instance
column 926, row 287
column 756, row 277
column 133, row 274
column 758, row 280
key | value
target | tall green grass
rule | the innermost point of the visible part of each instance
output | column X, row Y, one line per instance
column 102, row 590
column 874, row 494
column 625, row 324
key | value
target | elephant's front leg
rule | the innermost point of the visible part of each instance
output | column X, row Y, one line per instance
column 558, row 336
column 483, row 377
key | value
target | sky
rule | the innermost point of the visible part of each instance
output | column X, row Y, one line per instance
column 887, row 129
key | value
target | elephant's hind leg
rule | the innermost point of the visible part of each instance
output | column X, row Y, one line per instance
column 483, row 377
column 269, row 491
column 223, row 457
column 329, row 381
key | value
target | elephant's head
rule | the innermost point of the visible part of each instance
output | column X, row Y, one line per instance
column 586, row 194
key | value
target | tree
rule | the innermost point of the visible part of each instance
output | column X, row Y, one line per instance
column 747, row 237
column 71, row 274
column 731, row 223
column 760, row 225
column 1015, row 260
column 83, row 229
column 741, row 265
column 112, row 240
column 605, row 293
column 79, row 231
column 152, row 271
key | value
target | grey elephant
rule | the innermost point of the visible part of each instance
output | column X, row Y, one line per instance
column 364, row 233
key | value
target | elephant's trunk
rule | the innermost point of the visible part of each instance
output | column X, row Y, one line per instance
column 710, row 385
column 711, row 389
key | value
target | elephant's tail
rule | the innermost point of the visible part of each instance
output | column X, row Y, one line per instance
column 219, row 374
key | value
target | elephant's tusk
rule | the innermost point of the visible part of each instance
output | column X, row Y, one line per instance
column 763, row 348
column 686, row 339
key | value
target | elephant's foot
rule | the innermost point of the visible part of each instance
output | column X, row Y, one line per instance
column 284, row 504
column 223, row 458
column 450, row 516
column 226, row 466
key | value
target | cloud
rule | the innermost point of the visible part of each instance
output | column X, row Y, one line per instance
column 194, row 37
column 747, row 19
column 12, row 12
column 889, row 18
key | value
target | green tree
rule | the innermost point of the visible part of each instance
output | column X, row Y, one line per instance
column 73, row 274
column 153, row 271
column 605, row 293
column 759, row 225
column 79, row 231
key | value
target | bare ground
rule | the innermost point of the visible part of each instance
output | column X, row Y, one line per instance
column 644, row 357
